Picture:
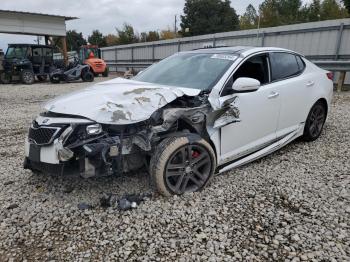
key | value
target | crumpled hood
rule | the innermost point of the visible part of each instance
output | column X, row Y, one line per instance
column 118, row 101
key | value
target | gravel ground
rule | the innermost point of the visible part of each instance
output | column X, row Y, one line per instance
column 293, row 205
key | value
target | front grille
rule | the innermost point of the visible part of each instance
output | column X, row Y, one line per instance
column 98, row 64
column 42, row 135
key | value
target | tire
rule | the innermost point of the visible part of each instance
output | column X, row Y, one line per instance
column 314, row 122
column 55, row 79
column 87, row 76
column 27, row 77
column 5, row 78
column 106, row 72
column 186, row 176
column 42, row 78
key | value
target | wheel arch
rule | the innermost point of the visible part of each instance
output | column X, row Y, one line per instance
column 184, row 124
column 324, row 102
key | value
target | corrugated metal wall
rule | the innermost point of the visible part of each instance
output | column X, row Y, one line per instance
column 324, row 40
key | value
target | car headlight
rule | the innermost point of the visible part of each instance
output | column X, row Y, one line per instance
column 94, row 129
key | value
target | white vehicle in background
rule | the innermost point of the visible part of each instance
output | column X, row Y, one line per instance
column 185, row 118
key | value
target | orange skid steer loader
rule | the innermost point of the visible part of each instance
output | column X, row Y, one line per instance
column 91, row 55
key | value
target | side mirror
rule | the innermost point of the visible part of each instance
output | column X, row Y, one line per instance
column 140, row 72
column 246, row 84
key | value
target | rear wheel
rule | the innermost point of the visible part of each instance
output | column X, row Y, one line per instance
column 87, row 76
column 179, row 166
column 106, row 72
column 27, row 77
column 55, row 79
column 314, row 122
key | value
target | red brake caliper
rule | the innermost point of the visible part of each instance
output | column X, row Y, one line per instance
column 195, row 154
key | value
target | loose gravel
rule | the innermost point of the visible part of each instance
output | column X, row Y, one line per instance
column 293, row 205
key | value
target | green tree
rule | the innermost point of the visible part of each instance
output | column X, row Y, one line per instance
column 249, row 19
column 208, row 16
column 331, row 9
column 127, row 35
column 152, row 36
column 149, row 37
column 111, row 39
column 313, row 11
column 289, row 11
column 74, row 40
column 347, row 5
column 283, row 12
column 269, row 13
column 143, row 37
column 96, row 38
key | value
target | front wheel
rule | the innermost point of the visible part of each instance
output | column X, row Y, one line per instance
column 180, row 165
column 5, row 78
column 27, row 77
column 87, row 76
column 314, row 122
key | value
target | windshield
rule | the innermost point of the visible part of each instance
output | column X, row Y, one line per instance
column 16, row 52
column 91, row 52
column 193, row 70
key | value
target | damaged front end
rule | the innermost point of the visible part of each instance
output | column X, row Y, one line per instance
column 84, row 146
column 60, row 143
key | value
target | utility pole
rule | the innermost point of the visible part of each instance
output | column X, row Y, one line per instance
column 175, row 27
column 257, row 34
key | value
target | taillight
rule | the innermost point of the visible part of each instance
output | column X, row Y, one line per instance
column 330, row 76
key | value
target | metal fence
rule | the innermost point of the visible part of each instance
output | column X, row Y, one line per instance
column 324, row 40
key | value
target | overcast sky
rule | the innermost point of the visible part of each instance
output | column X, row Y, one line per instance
column 105, row 15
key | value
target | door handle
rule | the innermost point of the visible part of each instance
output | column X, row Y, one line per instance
column 273, row 94
column 310, row 83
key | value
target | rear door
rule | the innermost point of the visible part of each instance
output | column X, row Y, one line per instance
column 37, row 60
column 293, row 88
column 48, row 59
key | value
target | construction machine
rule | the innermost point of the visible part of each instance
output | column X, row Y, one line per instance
column 91, row 55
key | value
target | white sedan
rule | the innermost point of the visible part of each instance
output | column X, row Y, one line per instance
column 185, row 118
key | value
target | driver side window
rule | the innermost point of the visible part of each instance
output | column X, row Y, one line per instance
column 255, row 67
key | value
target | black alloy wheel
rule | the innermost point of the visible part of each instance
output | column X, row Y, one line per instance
column 315, row 122
column 87, row 76
column 180, row 166
column 188, row 169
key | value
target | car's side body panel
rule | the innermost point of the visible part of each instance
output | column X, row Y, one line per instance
column 257, row 125
column 295, row 97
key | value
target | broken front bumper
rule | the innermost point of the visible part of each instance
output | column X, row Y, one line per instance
column 89, row 159
column 60, row 148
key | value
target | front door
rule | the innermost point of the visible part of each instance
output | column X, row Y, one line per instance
column 258, row 113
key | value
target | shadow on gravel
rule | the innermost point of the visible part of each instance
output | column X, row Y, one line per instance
column 136, row 182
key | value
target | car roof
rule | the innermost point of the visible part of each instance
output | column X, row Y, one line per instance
column 244, row 50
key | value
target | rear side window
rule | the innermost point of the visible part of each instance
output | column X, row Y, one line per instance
column 285, row 65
